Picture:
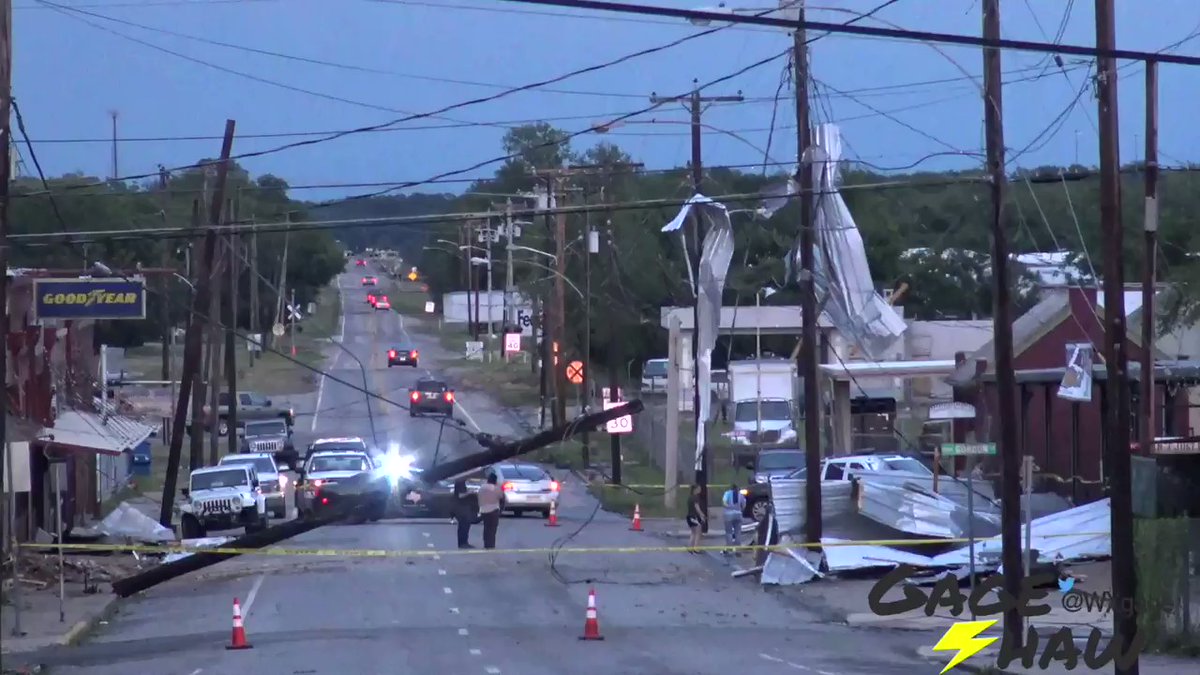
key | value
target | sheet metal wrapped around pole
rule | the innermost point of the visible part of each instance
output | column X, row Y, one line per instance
column 715, row 256
column 495, row 451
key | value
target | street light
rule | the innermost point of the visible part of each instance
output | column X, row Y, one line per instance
column 366, row 389
column 516, row 247
column 759, row 11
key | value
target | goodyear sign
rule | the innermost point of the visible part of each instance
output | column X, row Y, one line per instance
column 89, row 298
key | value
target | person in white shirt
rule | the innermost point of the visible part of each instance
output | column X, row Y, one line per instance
column 491, row 498
column 734, row 502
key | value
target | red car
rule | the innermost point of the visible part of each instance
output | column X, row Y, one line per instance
column 370, row 281
column 371, row 299
column 360, row 263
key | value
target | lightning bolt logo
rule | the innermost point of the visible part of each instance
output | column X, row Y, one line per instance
column 961, row 638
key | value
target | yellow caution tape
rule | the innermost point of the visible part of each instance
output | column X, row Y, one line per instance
column 425, row 553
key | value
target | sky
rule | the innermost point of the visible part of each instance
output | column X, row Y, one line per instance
column 398, row 58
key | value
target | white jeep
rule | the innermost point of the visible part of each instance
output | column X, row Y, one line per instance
column 222, row 498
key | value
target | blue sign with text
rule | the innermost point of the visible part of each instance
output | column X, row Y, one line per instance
column 89, row 299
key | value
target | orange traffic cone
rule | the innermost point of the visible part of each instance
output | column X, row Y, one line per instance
column 636, row 526
column 238, row 641
column 553, row 521
column 591, row 626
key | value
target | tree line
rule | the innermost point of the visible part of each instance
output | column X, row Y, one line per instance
column 81, row 203
column 928, row 230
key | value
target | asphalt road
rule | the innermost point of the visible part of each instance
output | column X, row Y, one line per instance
column 434, row 609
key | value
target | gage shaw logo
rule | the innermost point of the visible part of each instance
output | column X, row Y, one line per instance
column 990, row 599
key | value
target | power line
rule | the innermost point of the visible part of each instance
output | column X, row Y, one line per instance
column 868, row 31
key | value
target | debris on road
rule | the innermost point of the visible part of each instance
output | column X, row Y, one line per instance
column 126, row 523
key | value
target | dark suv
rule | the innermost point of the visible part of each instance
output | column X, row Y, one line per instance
column 430, row 396
column 769, row 463
column 402, row 357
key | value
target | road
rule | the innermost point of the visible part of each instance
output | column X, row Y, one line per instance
column 435, row 609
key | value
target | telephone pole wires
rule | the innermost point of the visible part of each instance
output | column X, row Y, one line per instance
column 1117, row 462
column 694, row 103
column 1002, row 318
column 191, row 359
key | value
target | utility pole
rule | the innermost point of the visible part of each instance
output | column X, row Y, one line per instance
column 1002, row 318
column 474, row 278
column 560, row 309
column 292, row 320
column 5, row 177
column 231, row 313
column 695, row 101
column 510, row 311
column 115, row 169
column 1149, row 428
column 255, row 316
column 199, row 375
column 806, row 367
column 214, row 353
column 1124, row 572
column 191, row 359
column 164, row 307
column 281, row 289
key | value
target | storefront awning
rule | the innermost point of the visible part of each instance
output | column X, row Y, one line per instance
column 86, row 430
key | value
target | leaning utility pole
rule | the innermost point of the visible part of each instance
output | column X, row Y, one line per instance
column 191, row 357
column 695, row 100
column 231, row 313
column 1149, row 428
column 1002, row 318
column 255, row 317
column 560, row 309
column 806, row 366
column 214, row 352
column 1117, row 462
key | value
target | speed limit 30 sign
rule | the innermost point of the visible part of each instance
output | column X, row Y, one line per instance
column 621, row 425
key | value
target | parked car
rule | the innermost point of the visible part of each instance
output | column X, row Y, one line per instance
column 402, row 357
column 250, row 406
column 772, row 462
column 430, row 396
column 271, row 482
column 222, row 498
column 269, row 436
column 527, row 487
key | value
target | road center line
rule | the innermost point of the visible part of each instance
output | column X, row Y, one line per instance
column 476, row 652
column 463, row 631
column 447, row 590
column 454, row 610
column 492, row 670
column 252, row 595
column 333, row 362
column 796, row 666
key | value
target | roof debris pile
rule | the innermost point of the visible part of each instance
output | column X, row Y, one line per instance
column 885, row 511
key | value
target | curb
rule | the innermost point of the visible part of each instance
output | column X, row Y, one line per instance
column 80, row 630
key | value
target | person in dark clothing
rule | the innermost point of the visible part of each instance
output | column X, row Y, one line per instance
column 491, row 502
column 465, row 512
column 696, row 517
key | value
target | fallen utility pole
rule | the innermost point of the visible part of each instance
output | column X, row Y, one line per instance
column 214, row 352
column 495, row 451
column 694, row 103
column 1149, row 426
column 1002, row 318
column 191, row 356
column 806, row 357
column 1116, row 385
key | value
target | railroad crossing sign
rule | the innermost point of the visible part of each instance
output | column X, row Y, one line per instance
column 512, row 342
column 293, row 312
column 967, row 449
column 575, row 372
column 621, row 425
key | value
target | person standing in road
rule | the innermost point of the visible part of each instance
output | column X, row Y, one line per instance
column 734, row 503
column 490, row 497
column 465, row 512
column 696, row 516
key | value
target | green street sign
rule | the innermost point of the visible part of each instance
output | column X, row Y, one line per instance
column 967, row 449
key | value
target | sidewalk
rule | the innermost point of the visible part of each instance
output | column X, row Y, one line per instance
column 985, row 662
column 41, row 625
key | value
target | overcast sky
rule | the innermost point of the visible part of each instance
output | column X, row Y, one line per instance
column 71, row 69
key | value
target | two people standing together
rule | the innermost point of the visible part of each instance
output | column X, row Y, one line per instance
column 485, row 506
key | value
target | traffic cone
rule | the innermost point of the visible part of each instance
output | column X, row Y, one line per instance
column 553, row 521
column 591, row 626
column 238, row 641
column 636, row 526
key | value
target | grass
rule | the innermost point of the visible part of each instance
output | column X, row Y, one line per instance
column 1162, row 546
column 270, row 373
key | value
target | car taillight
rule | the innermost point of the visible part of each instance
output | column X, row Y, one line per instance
column 554, row 486
column 413, row 354
column 316, row 482
column 450, row 396
column 391, row 353
column 324, row 500
column 416, row 396
column 508, row 487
